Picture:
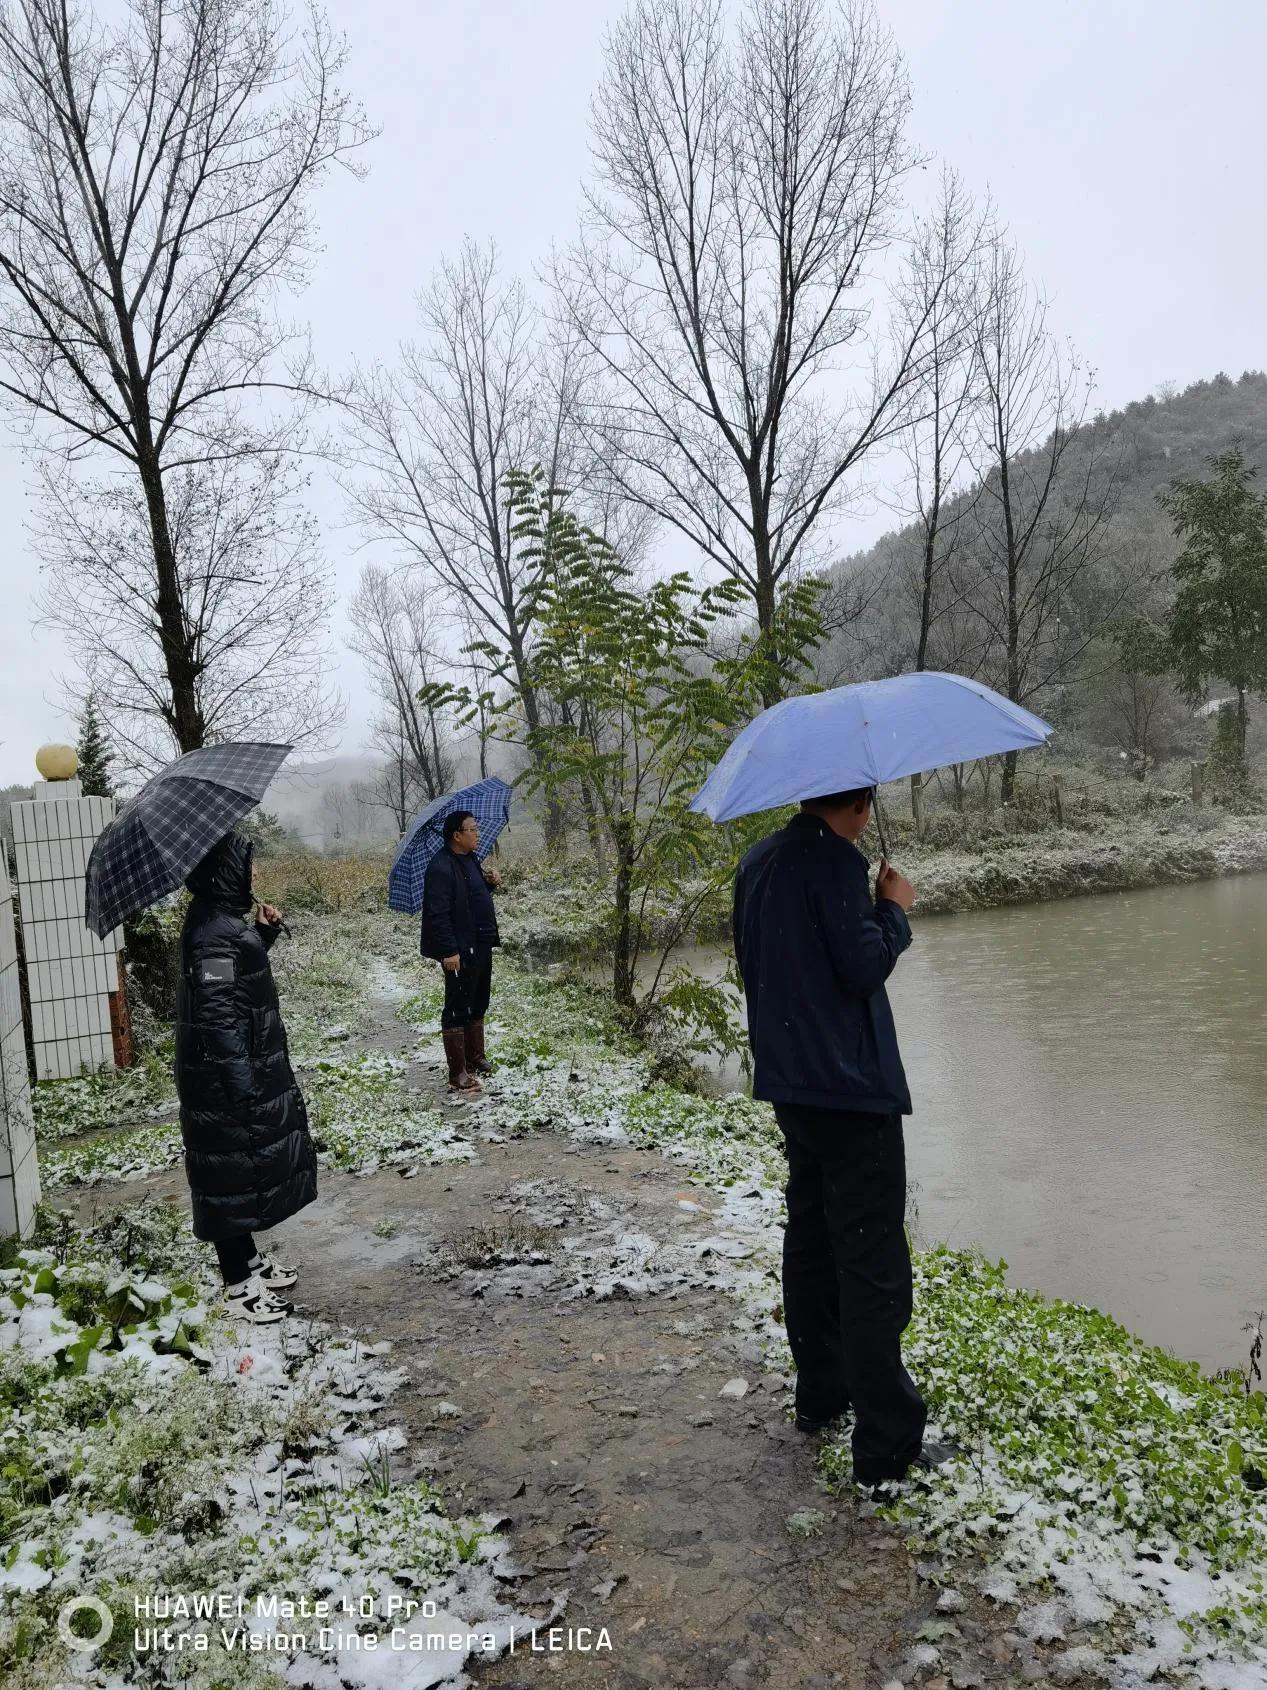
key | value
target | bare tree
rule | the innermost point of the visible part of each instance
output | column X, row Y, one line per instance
column 394, row 784
column 748, row 187
column 1047, row 490
column 436, row 438
column 940, row 298
column 253, row 588
column 486, row 391
column 394, row 634
column 343, row 816
column 154, row 201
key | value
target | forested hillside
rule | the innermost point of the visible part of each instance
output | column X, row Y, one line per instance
column 1101, row 553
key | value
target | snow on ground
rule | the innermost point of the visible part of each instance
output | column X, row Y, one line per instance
column 151, row 1449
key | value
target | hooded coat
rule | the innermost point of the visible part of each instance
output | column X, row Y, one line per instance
column 248, row 1154
column 814, row 951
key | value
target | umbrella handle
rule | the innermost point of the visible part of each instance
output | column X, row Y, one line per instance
column 879, row 823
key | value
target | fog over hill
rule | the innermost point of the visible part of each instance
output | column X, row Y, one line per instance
column 1126, row 457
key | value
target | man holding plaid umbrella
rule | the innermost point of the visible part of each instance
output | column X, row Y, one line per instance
column 459, row 929
column 438, row 869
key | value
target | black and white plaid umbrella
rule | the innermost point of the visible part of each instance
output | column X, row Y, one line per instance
column 168, row 827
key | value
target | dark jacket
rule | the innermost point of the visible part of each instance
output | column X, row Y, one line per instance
column 248, row 1153
column 814, row 951
column 457, row 906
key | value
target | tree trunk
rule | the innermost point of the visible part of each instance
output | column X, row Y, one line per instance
column 622, row 960
column 436, row 781
column 1007, row 785
column 593, row 827
column 771, row 691
column 554, row 818
column 926, row 596
column 917, row 804
column 1007, row 781
column 182, row 671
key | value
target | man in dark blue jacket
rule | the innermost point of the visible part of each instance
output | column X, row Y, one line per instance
column 459, row 929
column 814, row 951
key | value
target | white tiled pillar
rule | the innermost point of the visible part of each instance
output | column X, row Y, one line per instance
column 19, row 1170
column 70, row 973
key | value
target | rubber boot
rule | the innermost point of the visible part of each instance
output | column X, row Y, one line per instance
column 455, row 1051
column 476, row 1061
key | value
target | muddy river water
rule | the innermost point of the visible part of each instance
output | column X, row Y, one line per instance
column 1090, row 1088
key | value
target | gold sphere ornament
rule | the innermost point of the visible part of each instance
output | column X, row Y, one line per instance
column 57, row 762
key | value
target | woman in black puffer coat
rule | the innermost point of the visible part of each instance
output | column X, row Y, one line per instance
column 248, row 1154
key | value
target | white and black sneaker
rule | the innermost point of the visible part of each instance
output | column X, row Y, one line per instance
column 275, row 1275
column 253, row 1300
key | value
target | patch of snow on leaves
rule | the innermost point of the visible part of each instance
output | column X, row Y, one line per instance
column 149, row 1445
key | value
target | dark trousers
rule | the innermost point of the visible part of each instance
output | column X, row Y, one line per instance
column 468, row 988
column 234, row 1256
column 847, row 1280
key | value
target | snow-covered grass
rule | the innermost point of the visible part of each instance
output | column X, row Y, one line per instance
column 104, row 1098
column 148, row 1447
column 1105, row 1482
column 363, row 1119
column 1119, row 855
column 126, row 1153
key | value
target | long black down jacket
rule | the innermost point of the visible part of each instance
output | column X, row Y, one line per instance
column 248, row 1153
column 814, row 950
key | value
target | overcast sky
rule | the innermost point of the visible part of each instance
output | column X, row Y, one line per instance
column 1121, row 140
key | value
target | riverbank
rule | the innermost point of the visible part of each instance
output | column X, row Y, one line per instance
column 1166, row 850
column 550, row 919
column 1104, row 1526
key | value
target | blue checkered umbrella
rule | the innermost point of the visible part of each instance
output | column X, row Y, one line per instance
column 168, row 827
column 488, row 801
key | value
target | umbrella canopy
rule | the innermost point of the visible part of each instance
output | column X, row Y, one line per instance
column 167, row 828
column 488, row 801
column 863, row 735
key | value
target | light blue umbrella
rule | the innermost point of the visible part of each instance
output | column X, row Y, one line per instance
column 863, row 735
column 488, row 801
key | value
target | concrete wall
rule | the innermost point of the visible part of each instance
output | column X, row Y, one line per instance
column 19, row 1171
column 71, row 974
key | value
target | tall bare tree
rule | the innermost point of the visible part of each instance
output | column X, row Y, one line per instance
column 488, row 389
column 254, row 593
column 436, row 437
column 749, row 181
column 154, row 201
column 940, row 299
column 393, row 632
column 1048, row 489
column 393, row 784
